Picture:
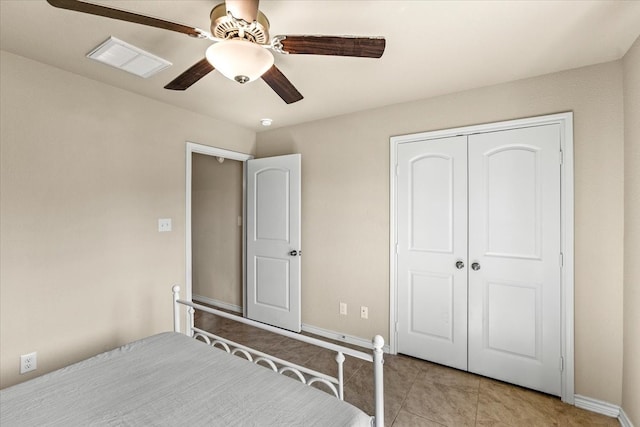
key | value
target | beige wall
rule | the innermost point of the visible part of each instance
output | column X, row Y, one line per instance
column 345, row 205
column 216, row 235
column 631, row 367
column 86, row 171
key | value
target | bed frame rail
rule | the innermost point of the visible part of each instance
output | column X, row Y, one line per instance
column 280, row 366
column 305, row 375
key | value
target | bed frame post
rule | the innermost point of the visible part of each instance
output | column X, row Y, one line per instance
column 176, row 308
column 378, row 343
column 191, row 311
column 340, row 360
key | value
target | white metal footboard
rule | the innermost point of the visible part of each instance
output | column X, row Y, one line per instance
column 305, row 375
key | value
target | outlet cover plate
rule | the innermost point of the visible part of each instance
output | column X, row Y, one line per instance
column 28, row 362
column 164, row 224
column 364, row 312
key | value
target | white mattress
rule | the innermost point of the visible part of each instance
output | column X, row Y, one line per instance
column 171, row 380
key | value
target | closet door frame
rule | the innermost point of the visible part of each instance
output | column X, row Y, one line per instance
column 565, row 159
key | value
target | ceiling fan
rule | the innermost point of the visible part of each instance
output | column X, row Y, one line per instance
column 241, row 48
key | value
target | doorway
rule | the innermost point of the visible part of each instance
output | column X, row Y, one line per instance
column 204, row 163
column 456, row 298
column 270, row 222
column 216, row 221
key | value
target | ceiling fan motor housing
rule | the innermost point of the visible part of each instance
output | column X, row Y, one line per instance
column 225, row 26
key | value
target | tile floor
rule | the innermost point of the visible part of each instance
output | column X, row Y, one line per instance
column 418, row 393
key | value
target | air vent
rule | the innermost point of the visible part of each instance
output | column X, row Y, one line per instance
column 129, row 58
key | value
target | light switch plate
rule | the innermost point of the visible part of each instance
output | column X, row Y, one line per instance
column 343, row 308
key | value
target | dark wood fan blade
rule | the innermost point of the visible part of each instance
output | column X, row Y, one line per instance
column 281, row 85
column 246, row 10
column 192, row 75
column 361, row 47
column 122, row 15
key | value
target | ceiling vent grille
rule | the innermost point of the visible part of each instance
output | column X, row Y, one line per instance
column 129, row 58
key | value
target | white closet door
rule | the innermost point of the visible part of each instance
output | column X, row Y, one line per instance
column 514, row 241
column 432, row 237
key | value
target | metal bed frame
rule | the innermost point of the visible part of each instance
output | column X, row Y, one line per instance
column 305, row 375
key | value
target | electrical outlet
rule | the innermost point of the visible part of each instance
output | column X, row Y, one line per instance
column 343, row 308
column 364, row 312
column 164, row 225
column 28, row 362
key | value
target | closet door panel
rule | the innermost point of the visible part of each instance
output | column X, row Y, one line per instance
column 514, row 243
column 512, row 205
column 432, row 222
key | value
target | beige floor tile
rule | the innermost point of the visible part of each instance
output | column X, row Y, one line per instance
column 359, row 392
column 450, row 405
column 407, row 419
column 451, row 377
column 291, row 350
column 508, row 405
column 536, row 422
column 402, row 369
column 325, row 361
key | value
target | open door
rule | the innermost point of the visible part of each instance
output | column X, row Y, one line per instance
column 273, row 241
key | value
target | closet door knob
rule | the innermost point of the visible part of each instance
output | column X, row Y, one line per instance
column 295, row 253
column 459, row 265
column 475, row 266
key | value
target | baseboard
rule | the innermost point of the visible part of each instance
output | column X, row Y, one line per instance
column 349, row 339
column 598, row 406
column 216, row 303
column 624, row 420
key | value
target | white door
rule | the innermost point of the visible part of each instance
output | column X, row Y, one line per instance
column 499, row 314
column 273, row 241
column 432, row 238
column 514, row 255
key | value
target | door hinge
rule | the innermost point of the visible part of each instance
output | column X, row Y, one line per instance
column 561, row 260
column 397, row 168
column 396, row 326
column 561, row 157
column 396, row 249
column 561, row 363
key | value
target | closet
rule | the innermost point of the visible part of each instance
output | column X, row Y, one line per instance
column 478, row 254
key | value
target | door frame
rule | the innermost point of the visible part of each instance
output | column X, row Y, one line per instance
column 565, row 120
column 192, row 147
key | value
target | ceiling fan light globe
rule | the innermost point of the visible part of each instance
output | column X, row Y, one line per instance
column 239, row 60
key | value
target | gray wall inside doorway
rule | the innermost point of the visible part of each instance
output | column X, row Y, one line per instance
column 216, row 235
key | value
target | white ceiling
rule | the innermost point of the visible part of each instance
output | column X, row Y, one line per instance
column 433, row 48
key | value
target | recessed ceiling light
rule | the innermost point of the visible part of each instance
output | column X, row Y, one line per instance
column 129, row 58
column 266, row 122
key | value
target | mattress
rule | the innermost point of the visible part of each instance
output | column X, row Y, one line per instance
column 171, row 379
